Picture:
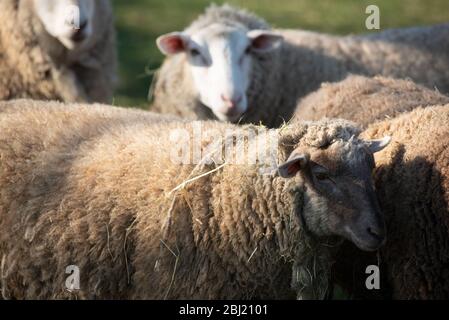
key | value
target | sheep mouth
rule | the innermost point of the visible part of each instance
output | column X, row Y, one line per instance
column 236, row 118
column 370, row 242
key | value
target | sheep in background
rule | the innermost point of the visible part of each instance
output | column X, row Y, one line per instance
column 206, row 74
column 229, row 65
column 87, row 186
column 366, row 100
column 412, row 183
column 43, row 57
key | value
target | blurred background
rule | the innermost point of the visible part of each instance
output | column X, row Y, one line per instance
column 140, row 22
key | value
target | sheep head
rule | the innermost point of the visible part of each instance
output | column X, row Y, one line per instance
column 69, row 21
column 221, row 58
column 340, row 198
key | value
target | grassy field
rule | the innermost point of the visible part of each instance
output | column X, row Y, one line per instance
column 139, row 22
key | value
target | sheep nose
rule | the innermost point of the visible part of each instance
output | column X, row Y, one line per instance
column 79, row 34
column 231, row 103
column 377, row 232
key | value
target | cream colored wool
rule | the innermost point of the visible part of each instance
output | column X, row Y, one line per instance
column 94, row 186
column 35, row 65
column 366, row 100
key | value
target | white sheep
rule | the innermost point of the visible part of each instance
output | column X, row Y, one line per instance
column 57, row 49
column 99, row 188
column 228, row 64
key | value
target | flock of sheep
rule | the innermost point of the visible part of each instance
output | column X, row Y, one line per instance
column 359, row 175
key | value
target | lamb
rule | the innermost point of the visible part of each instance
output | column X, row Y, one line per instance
column 230, row 65
column 412, row 182
column 366, row 100
column 89, row 187
column 43, row 57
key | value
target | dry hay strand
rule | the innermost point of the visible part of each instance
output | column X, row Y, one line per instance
column 175, row 192
column 178, row 194
column 109, row 243
column 128, row 231
column 175, row 268
column 186, row 182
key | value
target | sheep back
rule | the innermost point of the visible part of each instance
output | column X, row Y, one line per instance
column 366, row 100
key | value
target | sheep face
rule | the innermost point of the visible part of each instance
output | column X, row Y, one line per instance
column 340, row 198
column 69, row 21
column 220, row 59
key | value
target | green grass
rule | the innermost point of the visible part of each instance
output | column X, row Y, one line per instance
column 139, row 22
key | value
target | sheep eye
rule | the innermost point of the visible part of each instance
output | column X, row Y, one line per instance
column 248, row 50
column 194, row 52
column 321, row 175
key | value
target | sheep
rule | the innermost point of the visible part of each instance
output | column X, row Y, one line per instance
column 230, row 65
column 180, row 90
column 140, row 214
column 42, row 57
column 366, row 100
column 412, row 182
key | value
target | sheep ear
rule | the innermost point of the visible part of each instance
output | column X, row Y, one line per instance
column 172, row 43
column 294, row 163
column 264, row 41
column 378, row 145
